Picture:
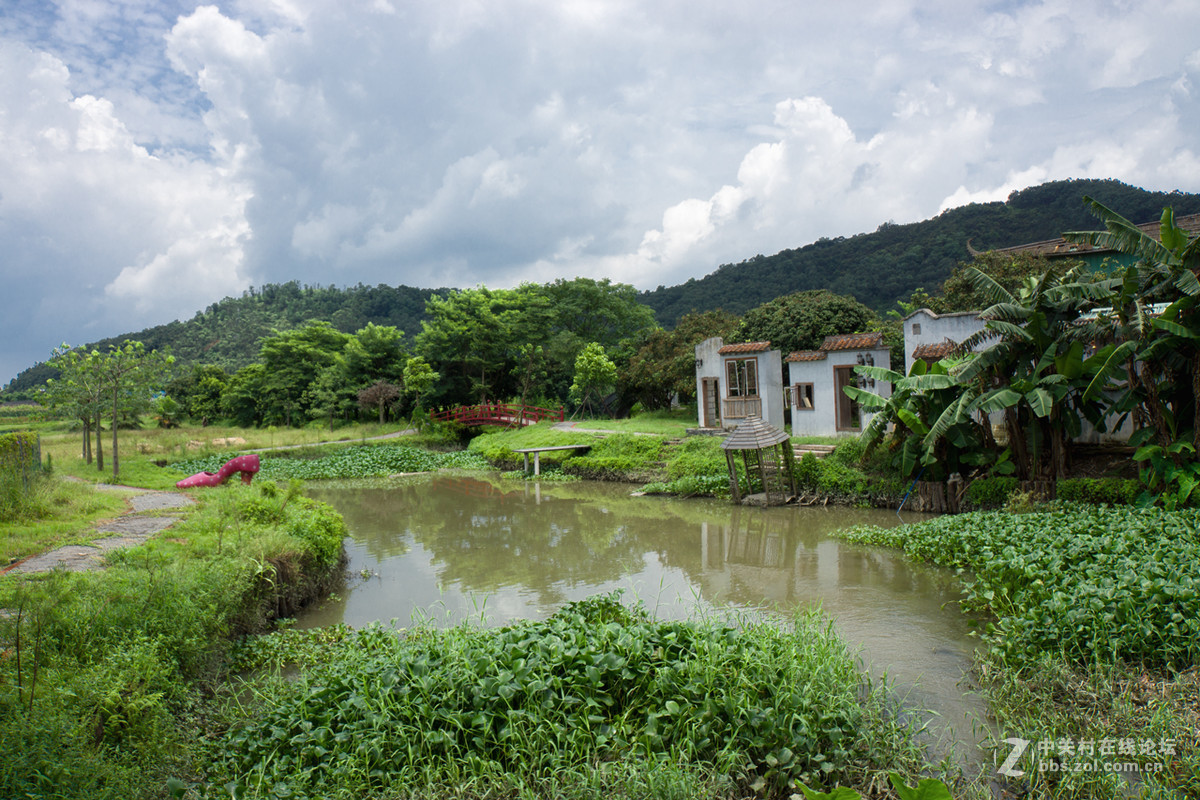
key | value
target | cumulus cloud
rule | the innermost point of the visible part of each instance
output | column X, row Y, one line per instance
column 159, row 154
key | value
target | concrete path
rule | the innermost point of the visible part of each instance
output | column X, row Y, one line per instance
column 128, row 530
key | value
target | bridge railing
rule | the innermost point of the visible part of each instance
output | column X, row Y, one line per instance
column 497, row 414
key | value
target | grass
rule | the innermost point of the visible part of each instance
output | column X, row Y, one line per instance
column 56, row 512
column 103, row 675
column 141, row 449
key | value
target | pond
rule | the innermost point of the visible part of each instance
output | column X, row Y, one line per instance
column 443, row 549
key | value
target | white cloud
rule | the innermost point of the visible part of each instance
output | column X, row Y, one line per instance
column 158, row 155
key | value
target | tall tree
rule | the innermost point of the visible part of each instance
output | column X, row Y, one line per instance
column 595, row 374
column 292, row 361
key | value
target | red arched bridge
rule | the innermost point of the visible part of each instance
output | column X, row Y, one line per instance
column 507, row 414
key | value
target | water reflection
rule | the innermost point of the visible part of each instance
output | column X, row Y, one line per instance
column 449, row 548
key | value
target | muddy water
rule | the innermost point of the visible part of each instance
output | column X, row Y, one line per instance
column 444, row 549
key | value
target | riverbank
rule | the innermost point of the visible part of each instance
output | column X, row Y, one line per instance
column 104, row 673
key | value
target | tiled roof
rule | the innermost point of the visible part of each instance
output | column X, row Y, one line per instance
column 934, row 352
column 753, row 434
column 745, row 347
column 1051, row 248
column 853, row 341
column 805, row 355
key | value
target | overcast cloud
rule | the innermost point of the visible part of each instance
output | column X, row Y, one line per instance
column 157, row 156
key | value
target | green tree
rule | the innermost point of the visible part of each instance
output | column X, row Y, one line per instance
column 419, row 378
column 1151, row 337
column 78, row 393
column 595, row 375
column 663, row 365
column 292, row 361
column 802, row 320
column 241, row 399
column 129, row 375
column 374, row 353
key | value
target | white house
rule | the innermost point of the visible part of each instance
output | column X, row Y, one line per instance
column 816, row 379
column 936, row 334
column 737, row 381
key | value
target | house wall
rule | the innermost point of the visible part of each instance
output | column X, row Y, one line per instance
column 770, row 387
column 937, row 328
column 711, row 364
column 822, row 419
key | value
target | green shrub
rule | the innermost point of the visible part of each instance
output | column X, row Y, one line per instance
column 1111, row 491
column 991, row 492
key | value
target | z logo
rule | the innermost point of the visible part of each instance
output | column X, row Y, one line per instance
column 1018, row 750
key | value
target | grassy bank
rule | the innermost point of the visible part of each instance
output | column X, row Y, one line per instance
column 598, row 700
column 1092, row 620
column 103, row 673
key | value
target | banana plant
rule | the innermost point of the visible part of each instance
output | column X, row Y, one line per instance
column 1152, row 331
column 918, row 401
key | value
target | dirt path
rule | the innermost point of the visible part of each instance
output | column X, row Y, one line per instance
column 132, row 528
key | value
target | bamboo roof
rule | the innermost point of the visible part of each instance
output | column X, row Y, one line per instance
column 753, row 434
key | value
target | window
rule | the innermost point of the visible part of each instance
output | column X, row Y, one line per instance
column 741, row 377
column 741, row 389
column 916, row 330
column 802, row 394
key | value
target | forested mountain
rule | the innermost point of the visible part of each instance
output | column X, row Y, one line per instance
column 876, row 268
column 882, row 267
column 228, row 333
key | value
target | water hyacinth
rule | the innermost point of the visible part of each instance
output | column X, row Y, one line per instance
column 595, row 686
column 1091, row 582
column 359, row 461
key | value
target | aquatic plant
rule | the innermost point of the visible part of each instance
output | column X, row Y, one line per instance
column 356, row 461
column 1090, row 581
column 564, row 701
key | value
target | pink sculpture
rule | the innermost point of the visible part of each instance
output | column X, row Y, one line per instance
column 246, row 465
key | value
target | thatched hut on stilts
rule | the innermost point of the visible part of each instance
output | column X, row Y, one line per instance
column 767, row 459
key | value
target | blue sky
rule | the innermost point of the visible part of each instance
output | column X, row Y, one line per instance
column 158, row 156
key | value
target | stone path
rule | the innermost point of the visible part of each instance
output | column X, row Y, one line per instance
column 126, row 531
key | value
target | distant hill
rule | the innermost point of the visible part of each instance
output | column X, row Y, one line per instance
column 876, row 268
column 885, row 266
column 227, row 333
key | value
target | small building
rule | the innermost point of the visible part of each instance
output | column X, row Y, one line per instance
column 934, row 333
column 816, row 379
column 735, row 382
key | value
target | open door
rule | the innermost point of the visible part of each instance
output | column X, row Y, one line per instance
column 709, row 402
column 849, row 417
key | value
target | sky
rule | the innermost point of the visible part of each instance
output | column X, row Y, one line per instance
column 157, row 156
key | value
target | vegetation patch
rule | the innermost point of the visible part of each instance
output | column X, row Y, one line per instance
column 355, row 461
column 620, row 457
column 102, row 672
column 1092, row 582
column 597, row 699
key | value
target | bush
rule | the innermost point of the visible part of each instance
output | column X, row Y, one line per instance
column 1110, row 491
column 991, row 492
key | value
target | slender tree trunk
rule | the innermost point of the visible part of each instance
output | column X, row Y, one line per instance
column 99, row 443
column 87, row 439
column 115, row 462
